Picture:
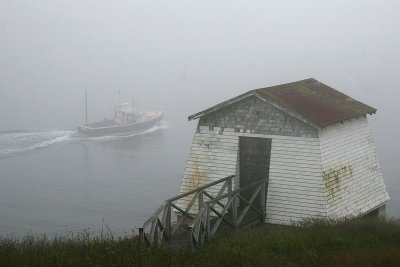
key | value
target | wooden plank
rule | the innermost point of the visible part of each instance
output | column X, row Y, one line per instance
column 300, row 171
column 300, row 189
column 274, row 205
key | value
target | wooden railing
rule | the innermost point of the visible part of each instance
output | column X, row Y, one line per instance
column 158, row 228
column 211, row 211
column 201, row 229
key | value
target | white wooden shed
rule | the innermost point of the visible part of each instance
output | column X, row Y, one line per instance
column 311, row 142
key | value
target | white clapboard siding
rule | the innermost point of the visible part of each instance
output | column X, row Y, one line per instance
column 295, row 190
column 212, row 157
column 353, row 179
column 335, row 175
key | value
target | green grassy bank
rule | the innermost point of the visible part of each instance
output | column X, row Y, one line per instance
column 350, row 243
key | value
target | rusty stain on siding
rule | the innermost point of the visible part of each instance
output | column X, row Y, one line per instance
column 197, row 178
column 194, row 180
column 334, row 178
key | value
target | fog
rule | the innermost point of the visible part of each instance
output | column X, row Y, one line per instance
column 184, row 56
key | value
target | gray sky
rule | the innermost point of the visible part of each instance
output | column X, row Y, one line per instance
column 184, row 56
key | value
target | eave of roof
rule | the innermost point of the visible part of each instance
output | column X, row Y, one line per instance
column 308, row 100
column 220, row 105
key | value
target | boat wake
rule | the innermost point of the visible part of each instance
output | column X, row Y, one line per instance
column 161, row 125
column 14, row 142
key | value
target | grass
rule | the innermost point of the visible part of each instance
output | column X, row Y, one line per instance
column 316, row 243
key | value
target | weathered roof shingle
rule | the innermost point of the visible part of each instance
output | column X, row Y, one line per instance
column 310, row 99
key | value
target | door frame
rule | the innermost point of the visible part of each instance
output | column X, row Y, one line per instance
column 239, row 163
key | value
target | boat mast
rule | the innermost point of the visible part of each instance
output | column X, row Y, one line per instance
column 86, row 113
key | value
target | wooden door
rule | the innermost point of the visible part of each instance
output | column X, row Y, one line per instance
column 254, row 159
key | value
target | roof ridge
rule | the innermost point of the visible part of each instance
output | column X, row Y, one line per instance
column 316, row 103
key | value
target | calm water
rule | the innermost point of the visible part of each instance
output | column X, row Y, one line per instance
column 57, row 182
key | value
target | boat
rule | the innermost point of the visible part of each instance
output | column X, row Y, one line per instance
column 127, row 119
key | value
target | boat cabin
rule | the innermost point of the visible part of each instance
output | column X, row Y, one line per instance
column 126, row 113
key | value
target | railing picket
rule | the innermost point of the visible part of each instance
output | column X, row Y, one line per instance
column 163, row 223
column 155, row 215
column 230, row 186
column 212, row 198
column 141, row 236
column 181, row 210
column 248, row 203
column 203, row 232
column 246, row 209
column 191, row 203
column 162, row 232
column 221, row 217
column 224, row 186
column 152, row 230
column 190, row 238
column 200, row 200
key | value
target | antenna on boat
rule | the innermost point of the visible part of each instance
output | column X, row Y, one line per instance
column 86, row 113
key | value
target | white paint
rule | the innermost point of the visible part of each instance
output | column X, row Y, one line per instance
column 297, row 189
column 361, row 190
column 295, row 186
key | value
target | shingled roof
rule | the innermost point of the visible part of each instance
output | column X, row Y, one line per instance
column 309, row 100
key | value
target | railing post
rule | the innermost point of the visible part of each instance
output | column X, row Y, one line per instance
column 190, row 238
column 234, row 211
column 155, row 239
column 200, row 201
column 208, row 222
column 230, row 186
column 234, row 204
column 168, row 222
column 262, row 201
column 141, row 236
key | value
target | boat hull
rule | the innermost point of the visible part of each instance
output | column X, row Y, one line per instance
column 120, row 129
